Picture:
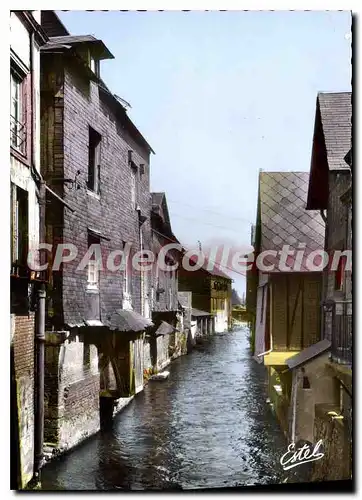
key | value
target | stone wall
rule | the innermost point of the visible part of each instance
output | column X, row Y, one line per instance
column 322, row 389
column 72, row 388
column 70, row 104
column 147, row 360
column 336, row 463
column 23, row 352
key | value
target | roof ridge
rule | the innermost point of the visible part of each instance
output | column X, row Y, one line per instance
column 324, row 92
column 284, row 172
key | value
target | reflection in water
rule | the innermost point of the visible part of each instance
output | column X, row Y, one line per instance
column 206, row 426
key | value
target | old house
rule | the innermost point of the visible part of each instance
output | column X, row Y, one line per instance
column 211, row 296
column 323, row 373
column 97, row 162
column 26, row 190
column 288, row 289
column 165, row 339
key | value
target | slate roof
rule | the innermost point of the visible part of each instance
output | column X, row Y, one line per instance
column 164, row 329
column 183, row 300
column 128, row 321
column 215, row 269
column 336, row 115
column 198, row 313
column 157, row 198
column 308, row 354
column 284, row 218
column 58, row 42
column 235, row 299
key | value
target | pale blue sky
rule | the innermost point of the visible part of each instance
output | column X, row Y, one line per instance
column 219, row 95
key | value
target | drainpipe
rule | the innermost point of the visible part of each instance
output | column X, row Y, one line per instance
column 40, row 313
column 142, row 277
column 294, row 409
column 39, row 384
column 39, row 353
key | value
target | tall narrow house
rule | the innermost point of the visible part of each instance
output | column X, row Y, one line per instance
column 211, row 295
column 26, row 38
column 287, row 288
column 97, row 162
column 329, row 192
column 326, row 405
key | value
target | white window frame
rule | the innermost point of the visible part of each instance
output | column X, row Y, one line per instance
column 18, row 239
column 17, row 112
column 127, row 281
column 93, row 276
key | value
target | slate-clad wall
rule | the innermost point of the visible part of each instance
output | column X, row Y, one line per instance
column 72, row 105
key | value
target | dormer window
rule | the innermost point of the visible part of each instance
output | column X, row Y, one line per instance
column 94, row 65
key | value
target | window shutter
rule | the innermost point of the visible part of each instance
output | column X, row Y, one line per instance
column 98, row 168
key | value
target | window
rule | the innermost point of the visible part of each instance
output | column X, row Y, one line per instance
column 93, row 270
column 17, row 118
column 306, row 383
column 127, row 275
column 133, row 188
column 19, row 226
column 339, row 276
column 94, row 161
column 134, row 179
column 94, row 66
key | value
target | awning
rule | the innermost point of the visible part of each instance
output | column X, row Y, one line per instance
column 98, row 234
column 308, row 354
column 129, row 321
column 183, row 300
column 164, row 329
column 278, row 358
column 197, row 313
column 93, row 322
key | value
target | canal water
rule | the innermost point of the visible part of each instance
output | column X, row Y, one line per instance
column 207, row 426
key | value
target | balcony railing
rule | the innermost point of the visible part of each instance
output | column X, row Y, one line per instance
column 339, row 313
column 17, row 134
